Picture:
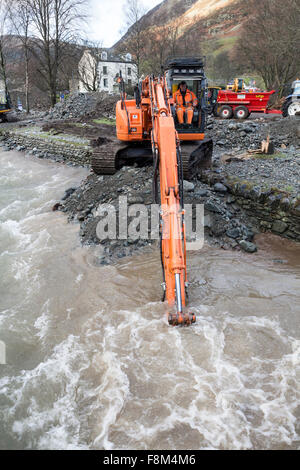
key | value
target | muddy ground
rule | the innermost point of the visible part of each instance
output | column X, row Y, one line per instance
column 88, row 128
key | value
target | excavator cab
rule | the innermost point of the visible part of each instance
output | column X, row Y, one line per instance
column 135, row 118
column 191, row 71
column 196, row 149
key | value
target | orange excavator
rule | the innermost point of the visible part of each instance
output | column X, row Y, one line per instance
column 147, row 126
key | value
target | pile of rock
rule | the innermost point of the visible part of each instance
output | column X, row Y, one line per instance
column 244, row 135
column 225, row 225
column 81, row 105
column 281, row 172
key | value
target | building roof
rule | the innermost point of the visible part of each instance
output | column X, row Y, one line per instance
column 111, row 57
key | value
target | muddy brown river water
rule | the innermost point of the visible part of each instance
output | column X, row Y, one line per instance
column 91, row 362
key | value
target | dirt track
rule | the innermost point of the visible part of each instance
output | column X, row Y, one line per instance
column 88, row 129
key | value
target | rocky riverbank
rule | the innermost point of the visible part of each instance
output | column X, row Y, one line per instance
column 61, row 148
column 241, row 198
column 225, row 224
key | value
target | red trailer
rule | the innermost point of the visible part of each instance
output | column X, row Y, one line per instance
column 241, row 104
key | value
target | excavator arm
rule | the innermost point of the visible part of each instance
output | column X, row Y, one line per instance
column 166, row 150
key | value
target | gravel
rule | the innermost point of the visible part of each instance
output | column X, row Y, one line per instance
column 248, row 134
column 84, row 105
column 224, row 224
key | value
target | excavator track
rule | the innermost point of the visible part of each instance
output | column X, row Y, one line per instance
column 196, row 157
column 103, row 163
column 104, row 160
column 110, row 155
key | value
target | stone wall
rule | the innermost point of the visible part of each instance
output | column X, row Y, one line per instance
column 76, row 153
column 272, row 209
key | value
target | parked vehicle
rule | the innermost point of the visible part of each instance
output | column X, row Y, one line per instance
column 241, row 104
column 291, row 106
column 236, row 85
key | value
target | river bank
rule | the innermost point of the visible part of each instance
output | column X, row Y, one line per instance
column 241, row 197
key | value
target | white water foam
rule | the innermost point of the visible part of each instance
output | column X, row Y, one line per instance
column 223, row 404
column 48, row 394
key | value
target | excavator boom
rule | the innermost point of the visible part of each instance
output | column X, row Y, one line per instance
column 165, row 146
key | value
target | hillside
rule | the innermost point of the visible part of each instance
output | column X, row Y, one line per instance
column 217, row 20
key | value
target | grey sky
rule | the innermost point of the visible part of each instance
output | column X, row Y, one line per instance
column 107, row 20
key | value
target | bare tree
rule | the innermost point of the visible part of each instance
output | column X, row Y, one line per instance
column 19, row 13
column 186, row 37
column 3, row 23
column 135, row 42
column 173, row 36
column 161, row 42
column 223, row 68
column 88, row 69
column 56, row 23
column 157, row 49
column 269, row 42
column 68, row 69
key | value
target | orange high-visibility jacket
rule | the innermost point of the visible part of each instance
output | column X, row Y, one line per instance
column 190, row 98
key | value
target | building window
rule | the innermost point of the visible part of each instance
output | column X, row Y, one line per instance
column 129, row 82
column 104, row 70
column 105, row 82
column 128, row 57
column 129, row 71
column 104, row 55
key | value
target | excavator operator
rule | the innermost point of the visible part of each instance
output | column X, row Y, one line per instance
column 185, row 101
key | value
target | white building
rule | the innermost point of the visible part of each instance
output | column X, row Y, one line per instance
column 98, row 71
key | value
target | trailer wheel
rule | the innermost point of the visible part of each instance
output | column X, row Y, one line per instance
column 241, row 112
column 225, row 112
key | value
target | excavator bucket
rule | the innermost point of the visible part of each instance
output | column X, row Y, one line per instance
column 184, row 319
